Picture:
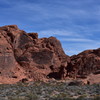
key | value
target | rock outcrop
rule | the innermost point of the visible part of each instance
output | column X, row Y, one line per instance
column 85, row 63
column 25, row 57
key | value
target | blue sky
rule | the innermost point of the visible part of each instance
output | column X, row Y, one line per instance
column 76, row 23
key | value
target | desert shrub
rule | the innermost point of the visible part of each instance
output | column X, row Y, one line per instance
column 61, row 96
column 82, row 97
column 31, row 96
column 97, row 97
column 17, row 98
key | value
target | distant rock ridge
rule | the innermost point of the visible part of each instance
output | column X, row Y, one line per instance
column 24, row 56
column 85, row 63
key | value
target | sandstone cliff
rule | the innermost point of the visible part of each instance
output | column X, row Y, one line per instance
column 25, row 57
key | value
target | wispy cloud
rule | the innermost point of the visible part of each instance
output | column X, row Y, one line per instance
column 76, row 40
column 58, row 33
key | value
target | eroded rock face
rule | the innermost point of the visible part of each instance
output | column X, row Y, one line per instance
column 85, row 63
column 37, row 58
column 7, row 60
column 24, row 56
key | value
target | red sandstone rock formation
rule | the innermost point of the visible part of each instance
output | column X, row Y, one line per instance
column 85, row 63
column 24, row 55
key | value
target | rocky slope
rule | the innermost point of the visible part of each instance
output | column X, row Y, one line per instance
column 25, row 57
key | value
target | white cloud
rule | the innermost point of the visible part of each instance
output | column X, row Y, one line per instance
column 76, row 39
column 58, row 32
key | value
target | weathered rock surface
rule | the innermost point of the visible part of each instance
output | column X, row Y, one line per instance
column 85, row 63
column 25, row 57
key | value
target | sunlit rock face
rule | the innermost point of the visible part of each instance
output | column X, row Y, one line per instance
column 39, row 59
column 7, row 60
column 24, row 56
